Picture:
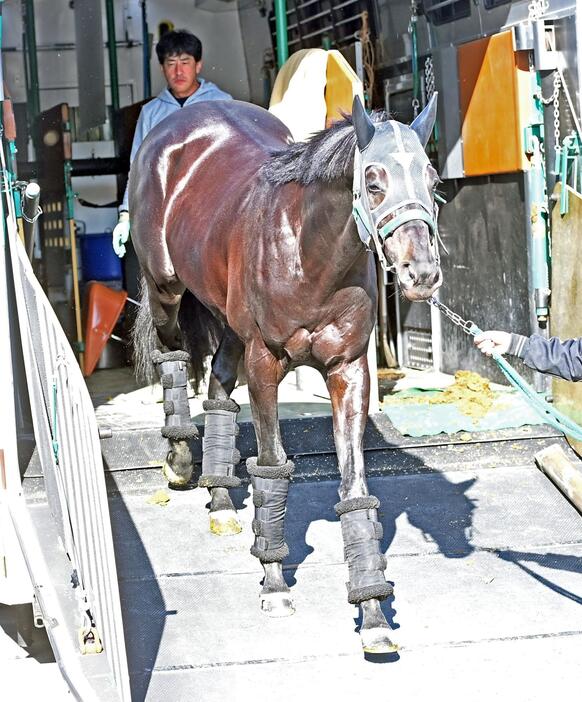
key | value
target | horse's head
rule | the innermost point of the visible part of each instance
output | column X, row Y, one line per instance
column 394, row 205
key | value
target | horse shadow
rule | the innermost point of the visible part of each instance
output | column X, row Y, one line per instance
column 555, row 561
column 440, row 510
column 143, row 606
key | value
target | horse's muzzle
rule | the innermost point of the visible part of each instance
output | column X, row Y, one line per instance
column 419, row 280
column 413, row 251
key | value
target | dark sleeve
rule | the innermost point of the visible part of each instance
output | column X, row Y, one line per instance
column 560, row 358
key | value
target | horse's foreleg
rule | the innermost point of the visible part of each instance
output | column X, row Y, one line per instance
column 349, row 388
column 270, row 474
column 220, row 455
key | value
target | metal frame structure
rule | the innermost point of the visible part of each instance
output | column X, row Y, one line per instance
column 523, row 193
column 64, row 531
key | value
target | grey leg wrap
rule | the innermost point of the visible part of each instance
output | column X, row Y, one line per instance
column 219, row 452
column 270, row 487
column 173, row 371
column 361, row 533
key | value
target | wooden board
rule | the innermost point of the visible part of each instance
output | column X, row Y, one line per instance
column 493, row 91
column 566, row 311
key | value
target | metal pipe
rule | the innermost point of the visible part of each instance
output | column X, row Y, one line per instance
column 112, row 52
column 70, row 214
column 385, row 342
column 29, row 215
column 281, row 28
column 32, row 85
column 147, row 78
column 109, row 165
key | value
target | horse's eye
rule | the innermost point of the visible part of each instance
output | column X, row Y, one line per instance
column 374, row 188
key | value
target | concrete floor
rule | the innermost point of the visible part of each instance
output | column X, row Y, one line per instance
column 487, row 567
column 485, row 557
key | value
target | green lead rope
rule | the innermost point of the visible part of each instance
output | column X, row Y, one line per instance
column 550, row 415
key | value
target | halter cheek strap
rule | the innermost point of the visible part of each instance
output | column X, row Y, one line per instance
column 363, row 216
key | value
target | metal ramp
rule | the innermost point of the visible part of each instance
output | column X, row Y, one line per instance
column 64, row 533
column 484, row 552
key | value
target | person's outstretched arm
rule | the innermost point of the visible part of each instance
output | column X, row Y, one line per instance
column 560, row 358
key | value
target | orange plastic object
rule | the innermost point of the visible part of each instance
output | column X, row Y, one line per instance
column 494, row 87
column 103, row 309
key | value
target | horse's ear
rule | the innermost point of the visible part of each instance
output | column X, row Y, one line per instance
column 424, row 123
column 362, row 124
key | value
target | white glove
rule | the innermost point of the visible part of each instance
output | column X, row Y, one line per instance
column 121, row 234
column 493, row 342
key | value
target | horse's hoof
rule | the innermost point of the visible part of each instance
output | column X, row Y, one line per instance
column 277, row 604
column 377, row 640
column 176, row 480
column 225, row 522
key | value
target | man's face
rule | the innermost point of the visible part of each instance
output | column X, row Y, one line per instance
column 181, row 74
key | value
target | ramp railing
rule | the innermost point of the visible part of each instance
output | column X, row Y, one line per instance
column 66, row 541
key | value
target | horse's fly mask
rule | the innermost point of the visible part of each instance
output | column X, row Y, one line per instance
column 398, row 151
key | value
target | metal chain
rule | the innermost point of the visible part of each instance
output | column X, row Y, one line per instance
column 34, row 218
column 428, row 77
column 555, row 98
column 557, row 86
column 467, row 325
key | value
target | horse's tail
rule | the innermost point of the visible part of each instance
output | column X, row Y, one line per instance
column 201, row 335
column 144, row 338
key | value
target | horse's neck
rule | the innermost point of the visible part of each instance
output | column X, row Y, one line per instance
column 328, row 231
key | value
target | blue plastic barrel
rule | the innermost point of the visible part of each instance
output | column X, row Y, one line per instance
column 99, row 260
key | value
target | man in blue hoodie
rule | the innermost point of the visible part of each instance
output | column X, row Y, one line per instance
column 180, row 55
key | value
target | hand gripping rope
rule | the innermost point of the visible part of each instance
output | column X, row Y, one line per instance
column 270, row 487
column 361, row 533
column 549, row 414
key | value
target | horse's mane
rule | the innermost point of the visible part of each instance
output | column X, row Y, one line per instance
column 328, row 155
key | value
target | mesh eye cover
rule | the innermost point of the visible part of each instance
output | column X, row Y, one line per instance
column 397, row 150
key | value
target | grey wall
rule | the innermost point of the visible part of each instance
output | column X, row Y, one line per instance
column 216, row 23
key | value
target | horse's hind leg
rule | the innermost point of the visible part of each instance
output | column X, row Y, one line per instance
column 270, row 474
column 220, row 455
column 164, row 302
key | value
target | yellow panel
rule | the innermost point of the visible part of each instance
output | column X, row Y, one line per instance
column 494, row 102
column 566, row 316
column 342, row 85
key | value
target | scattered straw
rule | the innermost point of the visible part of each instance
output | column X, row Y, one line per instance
column 470, row 392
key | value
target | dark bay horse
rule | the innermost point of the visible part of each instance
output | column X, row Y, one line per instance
column 249, row 242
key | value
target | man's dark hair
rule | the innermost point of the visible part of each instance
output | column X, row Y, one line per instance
column 177, row 42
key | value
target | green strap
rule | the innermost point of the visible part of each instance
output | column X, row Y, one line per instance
column 402, row 218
